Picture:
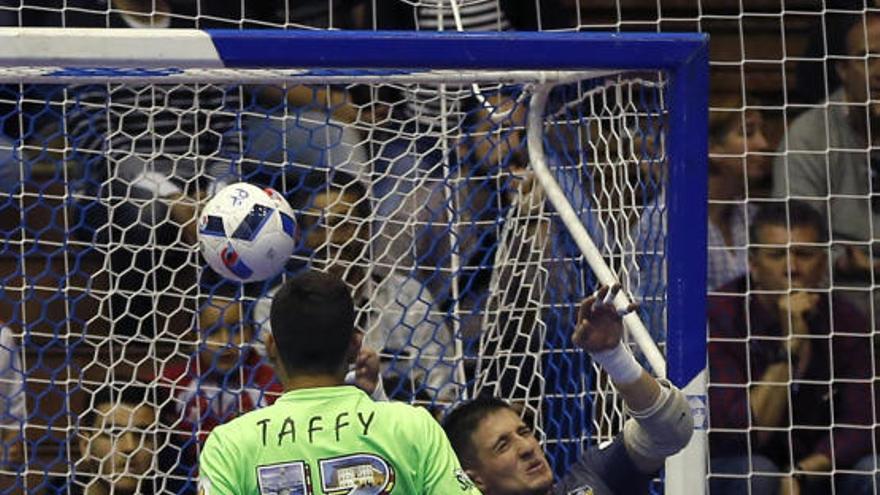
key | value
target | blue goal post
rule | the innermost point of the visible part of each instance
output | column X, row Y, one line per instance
column 570, row 85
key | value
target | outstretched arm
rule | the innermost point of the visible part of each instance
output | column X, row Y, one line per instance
column 661, row 422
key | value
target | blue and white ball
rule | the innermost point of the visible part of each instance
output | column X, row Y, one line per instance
column 247, row 233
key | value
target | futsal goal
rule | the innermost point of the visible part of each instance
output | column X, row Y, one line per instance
column 470, row 188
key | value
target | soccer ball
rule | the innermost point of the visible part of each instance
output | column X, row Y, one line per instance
column 247, row 233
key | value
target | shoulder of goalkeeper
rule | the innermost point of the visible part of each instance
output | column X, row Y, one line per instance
column 663, row 429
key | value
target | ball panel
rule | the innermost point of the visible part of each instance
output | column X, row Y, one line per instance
column 212, row 225
column 247, row 233
column 253, row 222
column 234, row 263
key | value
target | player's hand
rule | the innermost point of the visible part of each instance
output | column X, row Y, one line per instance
column 366, row 370
column 599, row 324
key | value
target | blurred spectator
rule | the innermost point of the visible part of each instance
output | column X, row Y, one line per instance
column 419, row 159
column 119, row 445
column 140, row 157
column 222, row 380
column 738, row 172
column 816, row 77
column 787, row 360
column 394, row 311
column 307, row 126
column 830, row 158
column 225, row 377
column 13, row 412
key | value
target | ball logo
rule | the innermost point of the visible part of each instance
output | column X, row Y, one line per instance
column 238, row 196
column 233, row 263
column 229, row 256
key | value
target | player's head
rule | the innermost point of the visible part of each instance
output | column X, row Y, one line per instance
column 497, row 449
column 223, row 334
column 115, row 442
column 737, row 139
column 785, row 236
column 312, row 319
column 334, row 220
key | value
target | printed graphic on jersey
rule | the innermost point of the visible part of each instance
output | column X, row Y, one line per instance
column 290, row 478
column 698, row 409
column 582, row 490
column 204, row 486
column 359, row 474
column 464, row 481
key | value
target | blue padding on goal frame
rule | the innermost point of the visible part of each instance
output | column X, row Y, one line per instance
column 684, row 56
column 454, row 50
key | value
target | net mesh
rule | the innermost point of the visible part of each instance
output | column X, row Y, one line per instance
column 776, row 59
column 130, row 349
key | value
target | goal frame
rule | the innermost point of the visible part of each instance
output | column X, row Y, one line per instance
column 145, row 55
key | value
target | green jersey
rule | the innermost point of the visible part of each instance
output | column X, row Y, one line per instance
column 331, row 440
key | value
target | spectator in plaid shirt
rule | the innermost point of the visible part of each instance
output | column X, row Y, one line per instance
column 785, row 357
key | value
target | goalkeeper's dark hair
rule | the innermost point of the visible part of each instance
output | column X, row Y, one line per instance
column 461, row 423
column 788, row 214
column 312, row 322
column 130, row 394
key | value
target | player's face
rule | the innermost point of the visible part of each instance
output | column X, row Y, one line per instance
column 749, row 141
column 224, row 335
column 121, row 450
column 511, row 461
column 861, row 80
column 771, row 265
column 334, row 232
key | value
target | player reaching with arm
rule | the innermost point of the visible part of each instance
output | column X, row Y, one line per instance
column 502, row 456
column 322, row 436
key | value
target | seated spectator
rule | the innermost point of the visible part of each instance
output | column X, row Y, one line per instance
column 394, row 311
column 814, row 77
column 306, row 126
column 13, row 412
column 119, row 445
column 222, row 380
column 140, row 157
column 225, row 378
column 787, row 360
column 739, row 170
column 830, row 157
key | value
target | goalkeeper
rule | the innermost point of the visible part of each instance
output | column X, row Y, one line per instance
column 322, row 436
column 502, row 456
